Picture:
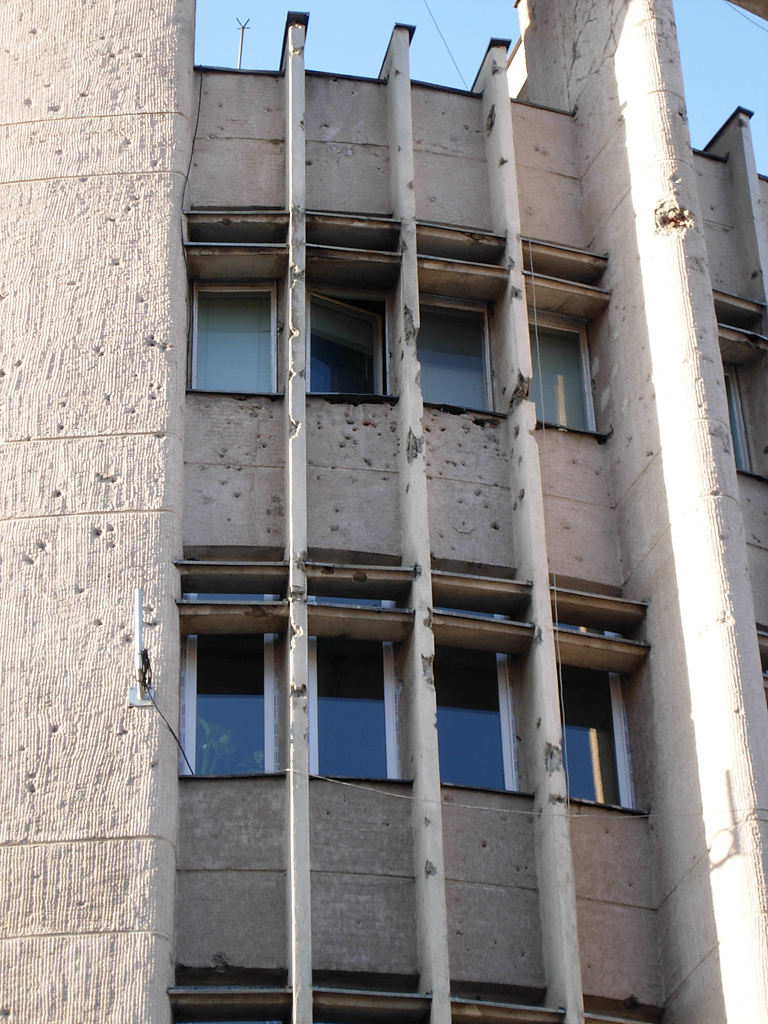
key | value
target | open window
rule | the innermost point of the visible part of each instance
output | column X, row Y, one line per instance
column 475, row 719
column 227, row 712
column 453, row 353
column 736, row 417
column 233, row 345
column 561, row 386
column 345, row 347
column 595, row 738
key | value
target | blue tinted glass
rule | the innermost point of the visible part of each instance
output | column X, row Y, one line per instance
column 350, row 713
column 468, row 719
column 451, row 353
column 578, row 763
column 342, row 349
column 230, row 705
column 558, row 382
column 234, row 342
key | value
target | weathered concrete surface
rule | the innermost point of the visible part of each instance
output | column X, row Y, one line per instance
column 352, row 477
column 95, row 108
column 494, row 924
column 468, row 483
column 231, row 874
column 548, row 177
column 449, row 158
column 705, row 769
column 362, row 878
column 754, row 507
column 715, row 187
column 616, row 902
column 241, row 128
column 233, row 472
column 347, row 147
column 582, row 539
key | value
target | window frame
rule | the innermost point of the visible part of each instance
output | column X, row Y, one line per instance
column 392, row 692
column 347, row 303
column 568, row 325
column 188, row 706
column 441, row 302
column 268, row 288
column 622, row 753
column 507, row 727
column 736, row 418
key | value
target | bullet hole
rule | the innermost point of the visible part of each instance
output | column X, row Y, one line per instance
column 27, row 560
column 53, row 727
column 98, row 622
column 96, row 531
column 30, row 788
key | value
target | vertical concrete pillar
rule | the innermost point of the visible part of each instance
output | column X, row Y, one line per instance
column 419, row 705
column 685, row 541
column 538, row 699
column 297, row 650
column 97, row 109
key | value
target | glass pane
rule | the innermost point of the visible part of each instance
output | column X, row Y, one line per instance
column 234, row 342
column 468, row 719
column 735, row 419
column 452, row 356
column 350, row 709
column 230, row 705
column 343, row 346
column 589, row 751
column 558, row 381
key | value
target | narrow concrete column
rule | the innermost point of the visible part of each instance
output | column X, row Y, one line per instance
column 684, row 544
column 419, row 712
column 297, row 650
column 734, row 141
column 538, row 699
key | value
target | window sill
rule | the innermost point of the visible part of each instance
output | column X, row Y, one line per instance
column 579, row 802
column 461, row 409
column 600, row 438
column 231, row 778
column 239, row 396
column 342, row 398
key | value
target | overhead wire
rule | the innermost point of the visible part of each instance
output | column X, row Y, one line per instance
column 737, row 10
column 445, row 43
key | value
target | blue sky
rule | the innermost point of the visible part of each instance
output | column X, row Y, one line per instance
column 724, row 51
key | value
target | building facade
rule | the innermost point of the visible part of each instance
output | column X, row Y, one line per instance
column 431, row 424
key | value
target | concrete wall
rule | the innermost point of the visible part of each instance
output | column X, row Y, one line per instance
column 239, row 155
column 494, row 927
column 616, row 903
column 579, row 508
column 363, row 911
column 352, row 494
column 468, row 486
column 233, row 474
column 716, row 190
column 451, row 177
column 95, row 107
column 347, row 146
column 548, row 177
column 230, row 886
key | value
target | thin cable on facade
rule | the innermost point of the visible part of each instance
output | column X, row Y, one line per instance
column 172, row 732
column 737, row 10
column 445, row 43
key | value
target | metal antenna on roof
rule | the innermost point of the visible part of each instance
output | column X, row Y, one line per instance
column 243, row 27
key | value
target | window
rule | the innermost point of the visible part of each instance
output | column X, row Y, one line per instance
column 475, row 719
column 228, row 705
column 352, row 709
column 595, row 738
column 345, row 347
column 234, row 332
column 453, row 352
column 560, row 387
column 735, row 417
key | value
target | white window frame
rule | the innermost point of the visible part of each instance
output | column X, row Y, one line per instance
column 391, row 702
column 568, row 326
column 188, row 705
column 736, row 417
column 268, row 288
column 347, row 304
column 621, row 747
column 444, row 302
column 507, row 723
